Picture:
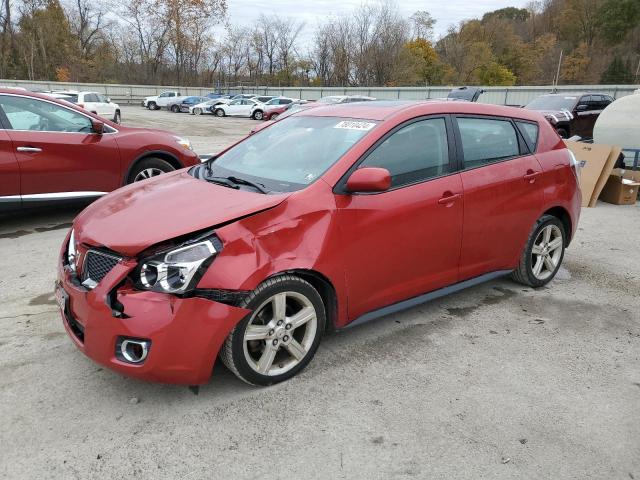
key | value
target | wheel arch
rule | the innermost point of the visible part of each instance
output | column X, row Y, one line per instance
column 562, row 214
column 161, row 154
column 324, row 287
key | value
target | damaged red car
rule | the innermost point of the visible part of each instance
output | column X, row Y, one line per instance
column 330, row 218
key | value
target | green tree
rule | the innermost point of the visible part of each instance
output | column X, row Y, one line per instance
column 493, row 73
column 618, row 72
column 617, row 18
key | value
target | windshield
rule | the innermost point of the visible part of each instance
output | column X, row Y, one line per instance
column 291, row 154
column 553, row 102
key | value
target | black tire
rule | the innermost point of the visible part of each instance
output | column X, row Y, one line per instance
column 197, row 111
column 232, row 352
column 175, row 108
column 564, row 133
column 117, row 117
column 152, row 163
column 218, row 112
column 274, row 116
column 152, row 106
column 524, row 273
column 258, row 115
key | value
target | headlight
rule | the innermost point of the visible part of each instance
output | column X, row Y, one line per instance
column 177, row 270
column 71, row 251
column 184, row 142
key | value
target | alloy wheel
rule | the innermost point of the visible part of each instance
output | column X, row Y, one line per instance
column 280, row 333
column 147, row 173
column 546, row 253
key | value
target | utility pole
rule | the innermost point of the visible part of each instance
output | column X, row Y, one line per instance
column 557, row 79
column 637, row 71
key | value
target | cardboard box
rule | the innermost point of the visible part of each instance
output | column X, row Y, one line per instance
column 596, row 162
column 621, row 188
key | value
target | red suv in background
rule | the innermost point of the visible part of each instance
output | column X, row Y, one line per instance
column 52, row 150
column 329, row 218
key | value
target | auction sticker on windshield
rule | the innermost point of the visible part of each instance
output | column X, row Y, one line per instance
column 355, row 125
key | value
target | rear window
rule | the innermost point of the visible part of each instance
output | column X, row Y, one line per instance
column 529, row 131
column 486, row 140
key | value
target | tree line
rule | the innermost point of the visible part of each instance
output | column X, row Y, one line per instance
column 195, row 43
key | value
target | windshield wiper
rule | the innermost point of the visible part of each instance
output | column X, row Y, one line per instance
column 222, row 181
column 242, row 181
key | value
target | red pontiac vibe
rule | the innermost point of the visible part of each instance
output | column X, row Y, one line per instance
column 329, row 218
column 51, row 150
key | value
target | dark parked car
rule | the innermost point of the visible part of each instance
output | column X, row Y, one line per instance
column 334, row 216
column 571, row 113
column 182, row 106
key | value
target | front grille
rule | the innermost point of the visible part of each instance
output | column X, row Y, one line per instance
column 97, row 265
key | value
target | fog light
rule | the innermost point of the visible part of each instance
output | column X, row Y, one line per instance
column 132, row 350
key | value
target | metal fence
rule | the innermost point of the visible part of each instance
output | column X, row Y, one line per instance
column 133, row 94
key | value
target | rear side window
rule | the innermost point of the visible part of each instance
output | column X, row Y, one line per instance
column 486, row 140
column 414, row 153
column 530, row 133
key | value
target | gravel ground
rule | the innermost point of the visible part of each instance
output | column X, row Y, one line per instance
column 499, row 381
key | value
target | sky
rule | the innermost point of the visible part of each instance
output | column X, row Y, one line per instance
column 244, row 12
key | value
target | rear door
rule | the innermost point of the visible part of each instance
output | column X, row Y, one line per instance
column 9, row 170
column 502, row 193
column 57, row 152
column 404, row 241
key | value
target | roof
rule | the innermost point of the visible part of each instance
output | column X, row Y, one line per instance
column 385, row 109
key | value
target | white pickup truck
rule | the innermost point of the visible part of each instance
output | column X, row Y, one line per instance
column 158, row 101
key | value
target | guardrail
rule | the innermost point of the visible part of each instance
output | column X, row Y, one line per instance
column 133, row 94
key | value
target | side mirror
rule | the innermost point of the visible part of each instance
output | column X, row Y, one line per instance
column 582, row 107
column 369, row 179
column 108, row 100
column 97, row 126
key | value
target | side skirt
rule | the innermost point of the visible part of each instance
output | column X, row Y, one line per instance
column 427, row 297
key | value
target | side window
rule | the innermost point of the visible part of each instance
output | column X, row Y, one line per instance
column 486, row 140
column 91, row 97
column 163, row 95
column 416, row 152
column 530, row 133
column 171, row 94
column 26, row 113
column 285, row 101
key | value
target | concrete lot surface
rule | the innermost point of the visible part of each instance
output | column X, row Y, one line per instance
column 499, row 381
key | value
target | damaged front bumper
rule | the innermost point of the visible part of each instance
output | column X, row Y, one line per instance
column 184, row 334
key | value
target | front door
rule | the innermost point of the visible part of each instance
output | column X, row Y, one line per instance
column 9, row 172
column 405, row 241
column 502, row 194
column 56, row 150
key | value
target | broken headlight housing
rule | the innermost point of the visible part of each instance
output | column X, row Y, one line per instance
column 177, row 270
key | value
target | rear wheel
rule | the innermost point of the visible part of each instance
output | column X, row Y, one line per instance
column 149, row 167
column 219, row 112
column 197, row 111
column 274, row 116
column 175, row 108
column 281, row 335
column 258, row 115
column 543, row 253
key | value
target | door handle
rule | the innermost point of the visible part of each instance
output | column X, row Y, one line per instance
column 530, row 176
column 29, row 149
column 449, row 198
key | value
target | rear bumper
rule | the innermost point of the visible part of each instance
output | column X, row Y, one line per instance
column 185, row 333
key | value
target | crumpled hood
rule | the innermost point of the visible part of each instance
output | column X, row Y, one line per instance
column 140, row 215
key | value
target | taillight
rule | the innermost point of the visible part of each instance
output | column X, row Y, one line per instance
column 575, row 166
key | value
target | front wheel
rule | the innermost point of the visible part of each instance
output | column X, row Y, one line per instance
column 219, row 112
column 197, row 111
column 152, row 106
column 258, row 115
column 117, row 118
column 175, row 108
column 543, row 253
column 149, row 167
column 281, row 335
